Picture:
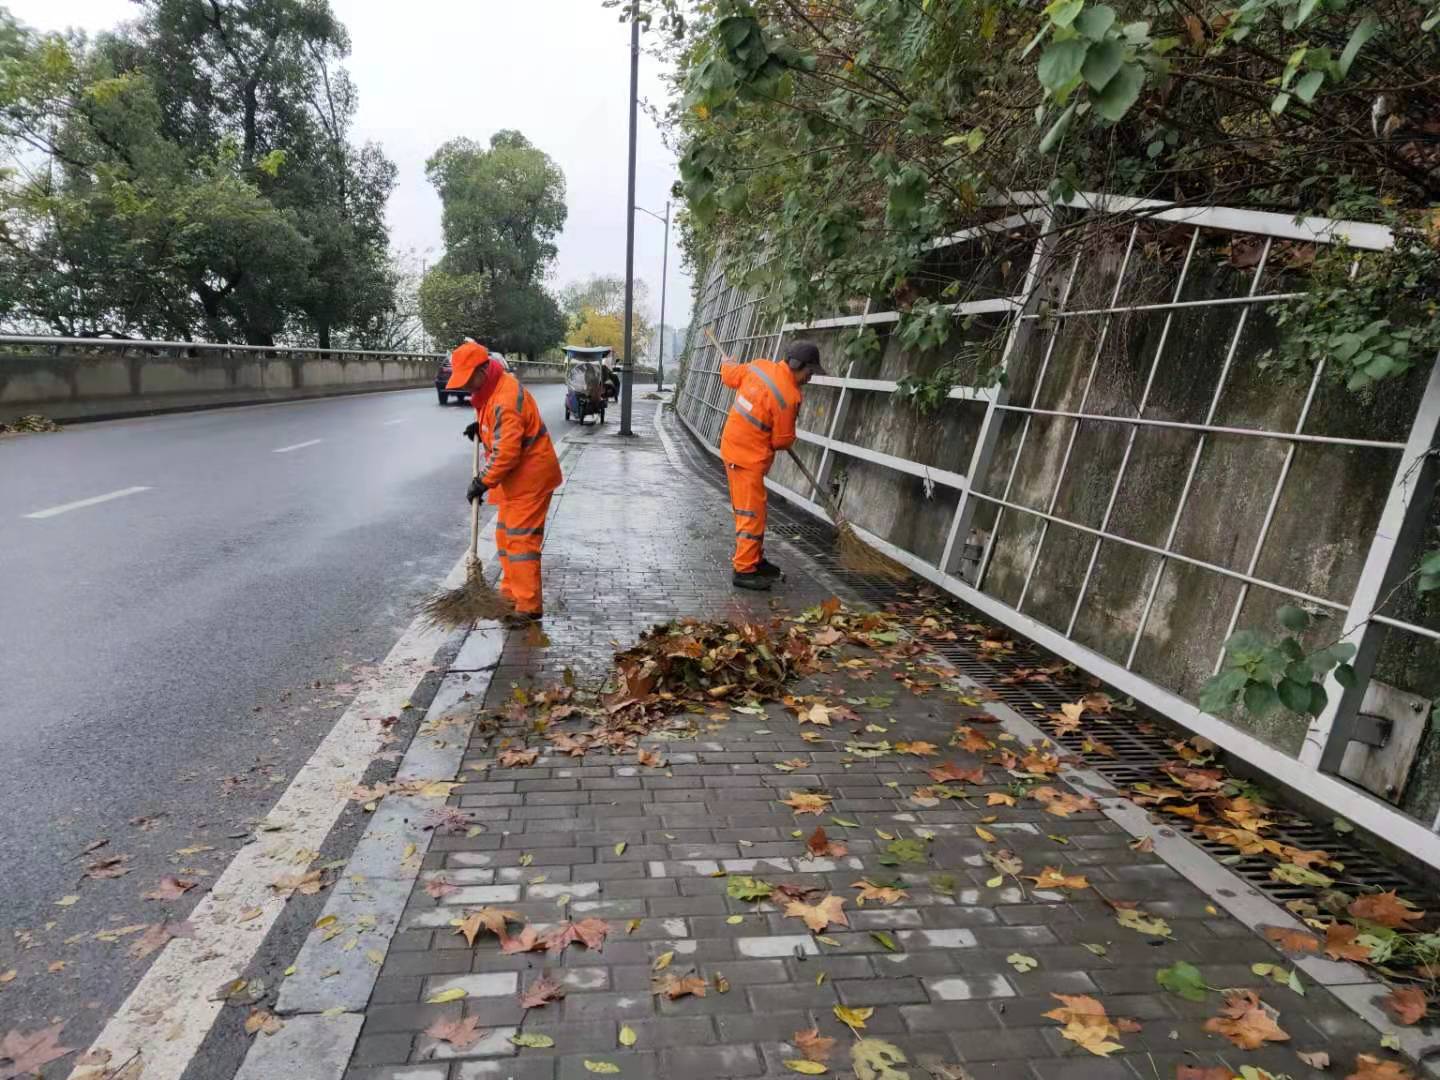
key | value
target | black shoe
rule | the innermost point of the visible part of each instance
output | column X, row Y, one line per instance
column 753, row 580
column 769, row 569
column 518, row 620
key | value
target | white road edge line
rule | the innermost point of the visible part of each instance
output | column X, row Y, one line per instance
column 94, row 500
column 172, row 1008
column 297, row 446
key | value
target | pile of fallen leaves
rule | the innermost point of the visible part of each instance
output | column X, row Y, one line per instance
column 32, row 422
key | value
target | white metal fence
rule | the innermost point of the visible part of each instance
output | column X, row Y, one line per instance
column 1049, row 545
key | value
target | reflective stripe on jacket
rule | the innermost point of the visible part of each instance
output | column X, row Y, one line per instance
column 522, row 458
column 762, row 419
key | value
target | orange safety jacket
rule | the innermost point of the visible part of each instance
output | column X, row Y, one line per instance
column 762, row 420
column 522, row 457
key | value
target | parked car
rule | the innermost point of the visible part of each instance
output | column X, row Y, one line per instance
column 442, row 376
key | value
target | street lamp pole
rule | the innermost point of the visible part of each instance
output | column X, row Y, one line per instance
column 664, row 275
column 627, row 377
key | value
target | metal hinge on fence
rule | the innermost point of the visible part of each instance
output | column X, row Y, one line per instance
column 1384, row 738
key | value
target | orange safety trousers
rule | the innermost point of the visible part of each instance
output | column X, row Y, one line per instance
column 519, row 536
column 747, row 498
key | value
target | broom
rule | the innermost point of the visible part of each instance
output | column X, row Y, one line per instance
column 451, row 609
column 855, row 554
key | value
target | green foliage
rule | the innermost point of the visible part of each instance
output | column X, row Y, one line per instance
column 198, row 178
column 1183, row 978
column 747, row 888
column 1263, row 672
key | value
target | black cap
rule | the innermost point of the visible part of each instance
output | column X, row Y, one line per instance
column 804, row 354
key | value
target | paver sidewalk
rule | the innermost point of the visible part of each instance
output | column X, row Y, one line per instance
column 957, row 973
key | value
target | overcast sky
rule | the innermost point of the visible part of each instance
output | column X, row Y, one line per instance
column 557, row 70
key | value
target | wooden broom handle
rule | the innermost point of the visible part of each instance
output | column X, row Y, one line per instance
column 475, row 508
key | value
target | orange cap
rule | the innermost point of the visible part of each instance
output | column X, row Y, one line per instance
column 463, row 362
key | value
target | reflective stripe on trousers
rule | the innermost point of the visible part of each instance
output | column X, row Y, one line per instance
column 747, row 499
column 521, row 522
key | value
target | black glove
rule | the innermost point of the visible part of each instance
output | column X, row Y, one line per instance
column 476, row 490
column 472, row 430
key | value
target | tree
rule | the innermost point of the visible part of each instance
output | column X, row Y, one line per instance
column 603, row 295
column 502, row 208
column 598, row 328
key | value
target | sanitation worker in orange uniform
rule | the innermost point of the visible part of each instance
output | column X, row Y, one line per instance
column 762, row 421
column 522, row 471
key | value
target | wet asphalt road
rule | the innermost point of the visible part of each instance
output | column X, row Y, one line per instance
column 169, row 658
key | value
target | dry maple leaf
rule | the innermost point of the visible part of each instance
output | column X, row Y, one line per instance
column 1052, row 878
column 589, row 932
column 1292, row 941
column 263, row 1021
column 917, row 748
column 1316, row 1059
column 1373, row 1068
column 818, row 916
column 676, row 986
column 170, row 888
column 157, row 935
column 1204, row 1072
column 485, row 918
column 461, row 1034
column 886, row 894
column 525, row 941
column 1086, row 1023
column 812, row 1045
column 1407, row 1004
column 967, row 738
column 511, row 759
column 112, row 866
column 438, row 887
column 948, row 771
column 29, row 1054
column 818, row 844
column 999, row 798
column 1385, row 908
column 1064, row 803
column 816, row 714
column 1340, row 943
column 1245, row 1021
column 541, row 992
column 804, row 802
column 651, row 759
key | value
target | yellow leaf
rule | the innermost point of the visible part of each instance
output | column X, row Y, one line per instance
column 735, row 920
column 607, row 1067
column 985, row 834
column 995, row 882
column 66, row 901
column 854, row 1019
column 248, row 914
column 290, row 971
column 444, row 996
column 375, row 956
column 620, row 848
column 809, row 1068
column 409, row 851
column 627, row 1036
column 663, row 961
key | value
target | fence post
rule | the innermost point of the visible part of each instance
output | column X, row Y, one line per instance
column 1396, row 539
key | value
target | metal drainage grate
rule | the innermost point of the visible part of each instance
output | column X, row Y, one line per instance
column 1139, row 755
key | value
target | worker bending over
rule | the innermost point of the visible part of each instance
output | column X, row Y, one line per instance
column 762, row 421
column 522, row 471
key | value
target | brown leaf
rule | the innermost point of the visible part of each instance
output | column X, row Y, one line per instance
column 29, row 1054
column 589, row 932
column 1063, row 803
column 112, row 866
column 1340, row 943
column 883, row 893
column 804, row 802
column 675, row 986
column 967, row 738
column 917, row 748
column 156, row 936
column 485, row 918
column 1317, row 1059
column 1292, row 941
column 1373, row 1068
column 818, row 916
column 651, row 759
column 1144, row 845
column 541, row 992
column 1245, row 1022
column 819, row 845
column 1086, row 1023
column 812, row 1045
column 461, row 1034
column 525, row 941
column 514, row 758
column 999, row 798
column 1407, row 1004
column 262, row 1020
column 170, row 888
column 437, row 887
column 947, row 772
column 1385, row 908
column 1203, row 1072
column 1052, row 878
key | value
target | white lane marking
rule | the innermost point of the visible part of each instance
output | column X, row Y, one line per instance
column 401, row 420
column 172, row 1008
column 297, row 446
column 92, row 501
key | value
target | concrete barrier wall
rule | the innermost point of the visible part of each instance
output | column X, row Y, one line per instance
column 86, row 381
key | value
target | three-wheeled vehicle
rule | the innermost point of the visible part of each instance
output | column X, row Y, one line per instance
column 585, row 382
